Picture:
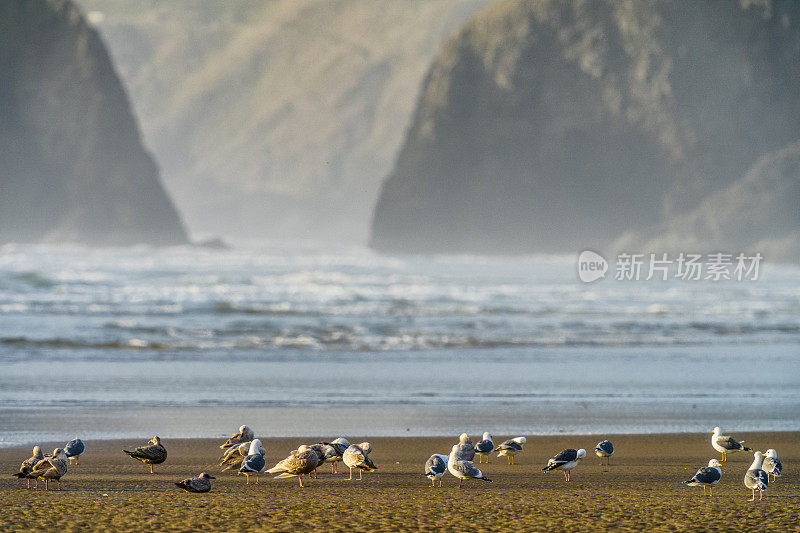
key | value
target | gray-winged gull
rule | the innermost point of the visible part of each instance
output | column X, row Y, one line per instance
column 463, row 469
column 435, row 467
column 320, row 450
column 301, row 461
column 254, row 463
column 151, row 454
column 26, row 468
column 708, row 476
column 245, row 434
column 233, row 457
column 604, row 450
column 52, row 467
column 772, row 465
column 357, row 456
column 466, row 450
column 333, row 452
column 566, row 461
column 725, row 444
column 484, row 447
column 756, row 479
column 201, row 483
column 74, row 448
column 510, row 448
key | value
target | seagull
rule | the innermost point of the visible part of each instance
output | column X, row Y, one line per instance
column 358, row 457
column 708, row 476
column 245, row 434
column 510, row 447
column 484, row 447
column 435, row 467
column 462, row 468
column 333, row 452
column 604, row 449
column 52, row 467
column 772, row 465
column 466, row 451
column 74, row 448
column 566, row 460
column 152, row 454
column 301, row 461
column 756, row 479
column 725, row 444
column 320, row 450
column 201, row 483
column 233, row 457
column 254, row 463
column 26, row 468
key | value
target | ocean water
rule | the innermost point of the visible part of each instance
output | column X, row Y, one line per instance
column 310, row 340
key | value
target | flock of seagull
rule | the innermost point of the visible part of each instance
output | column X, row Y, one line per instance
column 245, row 454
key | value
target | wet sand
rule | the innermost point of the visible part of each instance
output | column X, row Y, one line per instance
column 641, row 489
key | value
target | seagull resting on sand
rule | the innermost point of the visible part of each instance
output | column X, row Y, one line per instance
column 52, row 467
column 26, row 468
column 756, row 479
column 333, row 451
column 566, row 461
column 254, row 463
column 708, row 476
column 485, row 447
column 772, row 465
column 725, row 444
column 466, row 450
column 74, row 448
column 358, row 457
column 510, row 448
column 301, row 461
column 245, row 434
column 201, row 483
column 435, row 467
column 604, row 450
column 151, row 454
column 462, row 468
column 233, row 457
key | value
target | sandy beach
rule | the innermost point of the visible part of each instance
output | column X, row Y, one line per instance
column 641, row 489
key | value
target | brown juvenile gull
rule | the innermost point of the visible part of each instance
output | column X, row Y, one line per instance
column 756, row 479
column 245, row 434
column 26, row 468
column 725, row 444
column 435, row 467
column 510, row 448
column 358, row 457
column 255, row 462
column 708, row 476
column 52, row 467
column 301, row 461
column 233, row 457
column 565, row 460
column 319, row 449
column 201, row 483
column 462, row 468
column 466, row 451
column 151, row 454
column 772, row 465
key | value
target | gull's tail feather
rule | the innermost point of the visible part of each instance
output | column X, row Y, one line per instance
column 484, row 478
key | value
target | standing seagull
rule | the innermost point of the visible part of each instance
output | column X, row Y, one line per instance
column 52, row 467
column 772, row 465
column 358, row 457
column 566, row 461
column 466, row 451
column 301, row 461
column 462, row 468
column 201, row 483
column 234, row 456
column 510, row 448
column 333, row 452
column 254, row 463
column 435, row 467
column 725, row 444
column 485, row 447
column 756, row 479
column 151, row 454
column 245, row 434
column 604, row 449
column 708, row 476
column 74, row 448
column 26, row 468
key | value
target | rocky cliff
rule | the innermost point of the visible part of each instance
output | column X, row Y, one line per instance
column 553, row 125
column 72, row 165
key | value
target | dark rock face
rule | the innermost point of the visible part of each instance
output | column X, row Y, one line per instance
column 72, row 166
column 553, row 126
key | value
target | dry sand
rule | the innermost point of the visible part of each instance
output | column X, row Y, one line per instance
column 641, row 489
